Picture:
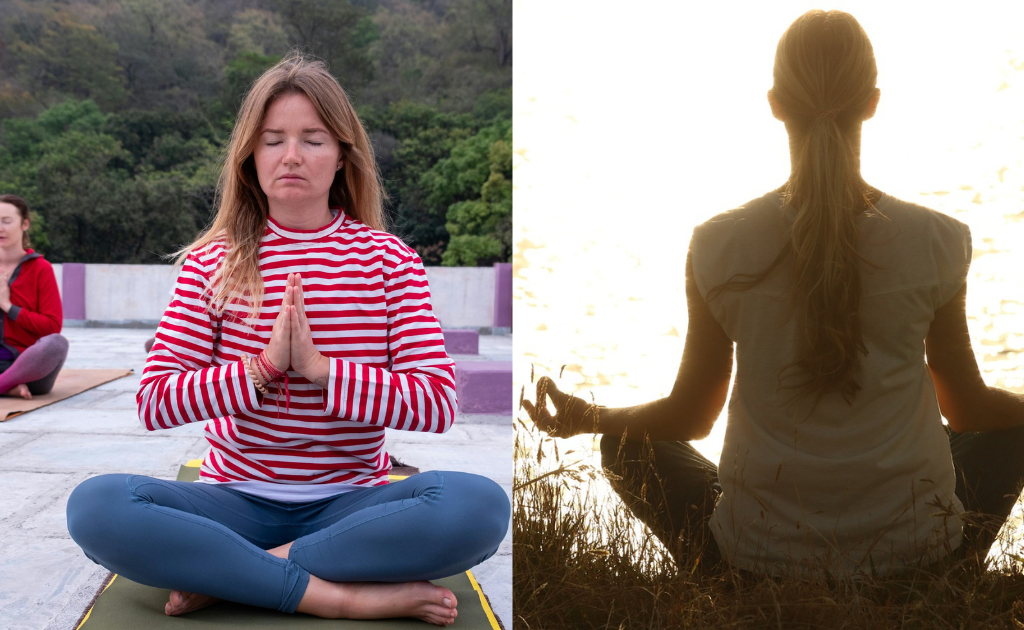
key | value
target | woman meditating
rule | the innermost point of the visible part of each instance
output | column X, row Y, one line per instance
column 835, row 457
column 32, row 351
column 299, row 330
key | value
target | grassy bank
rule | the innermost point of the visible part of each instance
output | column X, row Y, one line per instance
column 581, row 562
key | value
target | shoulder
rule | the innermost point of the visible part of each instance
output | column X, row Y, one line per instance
column 206, row 258
column 751, row 218
column 395, row 251
column 929, row 235
column 37, row 266
column 920, row 216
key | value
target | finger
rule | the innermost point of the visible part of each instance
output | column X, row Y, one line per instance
column 557, row 396
column 542, row 391
column 300, row 301
column 530, row 410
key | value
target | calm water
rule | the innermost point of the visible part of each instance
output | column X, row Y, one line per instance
column 621, row 149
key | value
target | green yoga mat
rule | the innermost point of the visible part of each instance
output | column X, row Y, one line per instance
column 127, row 605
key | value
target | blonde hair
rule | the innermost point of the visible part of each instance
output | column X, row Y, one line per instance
column 824, row 79
column 242, row 207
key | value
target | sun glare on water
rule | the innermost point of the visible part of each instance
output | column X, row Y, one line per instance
column 633, row 123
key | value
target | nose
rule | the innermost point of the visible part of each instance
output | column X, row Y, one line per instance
column 292, row 154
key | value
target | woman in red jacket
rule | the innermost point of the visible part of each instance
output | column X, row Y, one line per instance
column 32, row 350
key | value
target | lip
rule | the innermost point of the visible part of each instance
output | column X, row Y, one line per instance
column 292, row 177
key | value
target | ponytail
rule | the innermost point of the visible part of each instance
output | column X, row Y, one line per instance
column 826, row 192
column 824, row 80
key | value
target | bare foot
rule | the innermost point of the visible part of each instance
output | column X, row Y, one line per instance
column 181, row 602
column 20, row 391
column 375, row 600
column 378, row 600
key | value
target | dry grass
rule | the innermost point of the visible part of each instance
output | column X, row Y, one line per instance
column 579, row 563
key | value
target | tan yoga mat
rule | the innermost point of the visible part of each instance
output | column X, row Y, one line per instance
column 127, row 605
column 69, row 382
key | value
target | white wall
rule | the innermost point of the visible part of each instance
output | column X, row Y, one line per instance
column 119, row 293
column 58, row 273
column 463, row 297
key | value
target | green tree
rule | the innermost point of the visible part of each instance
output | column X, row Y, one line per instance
column 443, row 53
column 100, row 202
column 409, row 138
column 337, row 31
column 60, row 57
column 167, row 58
column 474, row 184
column 240, row 74
column 257, row 31
column 134, row 167
column 484, row 26
column 164, row 139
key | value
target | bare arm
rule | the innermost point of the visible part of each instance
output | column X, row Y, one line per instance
column 688, row 413
column 964, row 399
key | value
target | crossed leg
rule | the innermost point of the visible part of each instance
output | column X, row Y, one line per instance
column 35, row 370
column 352, row 600
column 365, row 554
column 672, row 489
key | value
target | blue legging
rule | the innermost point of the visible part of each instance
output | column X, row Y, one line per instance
column 208, row 539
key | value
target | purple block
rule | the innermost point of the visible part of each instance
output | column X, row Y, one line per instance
column 484, row 386
column 503, row 295
column 73, row 290
column 461, row 341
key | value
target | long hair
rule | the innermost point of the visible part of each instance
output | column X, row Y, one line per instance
column 242, row 207
column 824, row 79
column 23, row 212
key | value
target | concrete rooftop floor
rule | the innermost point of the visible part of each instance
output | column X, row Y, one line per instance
column 46, row 581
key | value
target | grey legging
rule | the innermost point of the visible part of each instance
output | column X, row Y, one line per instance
column 37, row 366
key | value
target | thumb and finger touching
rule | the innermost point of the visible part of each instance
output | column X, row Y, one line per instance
column 571, row 413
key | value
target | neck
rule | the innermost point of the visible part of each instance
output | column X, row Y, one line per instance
column 308, row 217
column 11, row 253
column 796, row 140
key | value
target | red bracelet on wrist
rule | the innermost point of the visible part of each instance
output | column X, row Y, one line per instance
column 275, row 374
column 266, row 365
column 262, row 372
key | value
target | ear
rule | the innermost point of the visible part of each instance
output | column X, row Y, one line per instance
column 869, row 112
column 341, row 164
column 776, row 108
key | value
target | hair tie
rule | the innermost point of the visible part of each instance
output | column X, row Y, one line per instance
column 826, row 113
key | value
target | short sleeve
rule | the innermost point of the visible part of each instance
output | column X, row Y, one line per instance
column 954, row 251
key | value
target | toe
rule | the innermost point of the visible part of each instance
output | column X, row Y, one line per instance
column 448, row 598
column 441, row 612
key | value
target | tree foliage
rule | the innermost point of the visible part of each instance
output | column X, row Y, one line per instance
column 115, row 114
column 474, row 184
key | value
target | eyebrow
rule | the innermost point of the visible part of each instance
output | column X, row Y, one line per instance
column 308, row 130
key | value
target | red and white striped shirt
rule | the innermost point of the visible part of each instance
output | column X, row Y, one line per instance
column 368, row 305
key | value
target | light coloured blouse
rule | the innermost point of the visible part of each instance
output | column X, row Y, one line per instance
column 841, row 488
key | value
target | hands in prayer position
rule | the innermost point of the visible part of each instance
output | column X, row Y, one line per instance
column 291, row 340
column 5, row 291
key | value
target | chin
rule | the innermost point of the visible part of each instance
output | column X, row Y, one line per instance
column 293, row 200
